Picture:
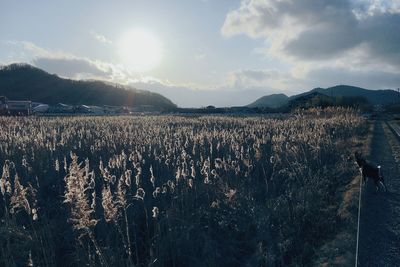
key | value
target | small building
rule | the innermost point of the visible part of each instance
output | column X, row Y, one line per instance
column 19, row 107
column 85, row 109
column 82, row 109
column 96, row 110
column 41, row 108
column 61, row 108
column 14, row 107
column 112, row 109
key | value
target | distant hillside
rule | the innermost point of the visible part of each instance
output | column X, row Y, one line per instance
column 308, row 100
column 316, row 99
column 25, row 82
column 270, row 101
column 374, row 97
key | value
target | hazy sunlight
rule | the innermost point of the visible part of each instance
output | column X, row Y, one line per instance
column 140, row 50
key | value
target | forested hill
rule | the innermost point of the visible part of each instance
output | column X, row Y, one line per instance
column 25, row 82
column 374, row 97
column 271, row 101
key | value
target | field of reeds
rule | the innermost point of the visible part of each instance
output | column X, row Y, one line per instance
column 171, row 190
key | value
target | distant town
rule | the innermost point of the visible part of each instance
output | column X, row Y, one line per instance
column 27, row 107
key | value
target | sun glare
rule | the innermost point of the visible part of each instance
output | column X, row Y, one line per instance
column 140, row 50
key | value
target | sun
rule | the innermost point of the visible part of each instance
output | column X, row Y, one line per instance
column 140, row 50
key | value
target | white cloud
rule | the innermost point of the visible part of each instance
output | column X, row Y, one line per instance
column 377, row 79
column 267, row 79
column 357, row 36
column 319, row 30
column 77, row 68
column 65, row 64
column 101, row 38
column 33, row 50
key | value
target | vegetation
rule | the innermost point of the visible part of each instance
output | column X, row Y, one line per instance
column 170, row 190
column 320, row 100
column 341, row 95
column 25, row 82
column 271, row 101
column 395, row 108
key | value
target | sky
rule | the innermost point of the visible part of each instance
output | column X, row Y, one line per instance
column 209, row 52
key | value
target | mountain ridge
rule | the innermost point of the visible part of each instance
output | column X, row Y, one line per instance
column 271, row 101
column 375, row 97
column 20, row 81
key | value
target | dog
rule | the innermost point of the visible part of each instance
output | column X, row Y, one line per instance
column 370, row 171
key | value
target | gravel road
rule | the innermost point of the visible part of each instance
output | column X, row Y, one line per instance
column 380, row 211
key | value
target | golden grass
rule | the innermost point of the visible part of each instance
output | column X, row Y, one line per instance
column 340, row 250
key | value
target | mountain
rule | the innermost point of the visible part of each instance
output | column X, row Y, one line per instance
column 270, row 101
column 375, row 97
column 308, row 99
column 316, row 99
column 25, row 82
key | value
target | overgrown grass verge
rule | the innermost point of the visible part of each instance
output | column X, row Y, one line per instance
column 341, row 249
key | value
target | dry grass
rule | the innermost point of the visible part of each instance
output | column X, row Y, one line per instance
column 179, row 191
column 340, row 250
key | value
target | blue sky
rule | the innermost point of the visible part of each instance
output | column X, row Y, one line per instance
column 221, row 52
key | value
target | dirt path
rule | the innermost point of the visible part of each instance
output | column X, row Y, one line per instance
column 380, row 212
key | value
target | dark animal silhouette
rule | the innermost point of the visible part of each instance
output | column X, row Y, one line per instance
column 368, row 170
